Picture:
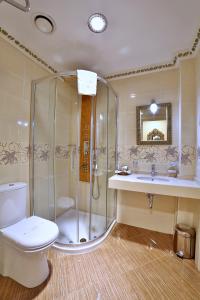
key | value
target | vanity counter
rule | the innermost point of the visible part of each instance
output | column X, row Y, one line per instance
column 161, row 185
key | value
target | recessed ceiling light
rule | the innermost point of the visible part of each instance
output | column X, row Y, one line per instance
column 44, row 23
column 97, row 23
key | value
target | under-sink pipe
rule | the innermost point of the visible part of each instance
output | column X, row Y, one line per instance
column 150, row 200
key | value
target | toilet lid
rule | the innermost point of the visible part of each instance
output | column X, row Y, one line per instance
column 31, row 233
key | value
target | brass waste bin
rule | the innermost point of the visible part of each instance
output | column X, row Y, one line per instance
column 184, row 241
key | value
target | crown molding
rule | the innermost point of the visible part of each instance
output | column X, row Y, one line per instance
column 139, row 71
column 159, row 67
column 26, row 51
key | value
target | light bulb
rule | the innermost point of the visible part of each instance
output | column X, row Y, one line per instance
column 97, row 23
column 153, row 107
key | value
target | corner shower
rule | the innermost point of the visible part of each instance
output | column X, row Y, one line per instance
column 73, row 153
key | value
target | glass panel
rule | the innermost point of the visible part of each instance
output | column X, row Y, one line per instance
column 85, row 152
column 99, row 176
column 112, row 136
column 66, row 160
column 43, row 163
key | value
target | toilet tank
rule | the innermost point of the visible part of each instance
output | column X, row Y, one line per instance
column 12, row 203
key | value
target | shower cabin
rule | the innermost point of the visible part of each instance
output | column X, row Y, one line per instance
column 73, row 153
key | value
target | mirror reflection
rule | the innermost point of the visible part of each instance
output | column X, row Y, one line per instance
column 154, row 124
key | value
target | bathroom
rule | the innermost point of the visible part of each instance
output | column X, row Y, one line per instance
column 118, row 246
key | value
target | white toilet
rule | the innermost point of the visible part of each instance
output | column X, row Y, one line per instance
column 23, row 241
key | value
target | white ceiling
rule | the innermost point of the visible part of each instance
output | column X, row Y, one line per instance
column 139, row 33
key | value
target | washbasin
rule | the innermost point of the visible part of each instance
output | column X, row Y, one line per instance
column 148, row 178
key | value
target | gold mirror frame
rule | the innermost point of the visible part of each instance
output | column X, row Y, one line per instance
column 169, row 125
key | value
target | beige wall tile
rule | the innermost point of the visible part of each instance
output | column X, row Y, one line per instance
column 16, row 73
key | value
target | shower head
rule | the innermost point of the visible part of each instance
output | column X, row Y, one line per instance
column 16, row 4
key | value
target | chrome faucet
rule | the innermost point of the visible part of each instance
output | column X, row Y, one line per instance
column 153, row 170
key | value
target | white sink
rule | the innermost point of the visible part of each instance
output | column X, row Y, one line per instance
column 147, row 178
column 161, row 185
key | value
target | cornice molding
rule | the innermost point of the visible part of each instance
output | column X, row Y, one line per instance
column 138, row 71
column 4, row 34
column 160, row 67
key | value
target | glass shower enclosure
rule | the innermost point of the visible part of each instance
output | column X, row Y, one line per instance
column 73, row 153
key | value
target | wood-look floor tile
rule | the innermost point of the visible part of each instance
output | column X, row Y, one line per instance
column 159, row 280
column 132, row 264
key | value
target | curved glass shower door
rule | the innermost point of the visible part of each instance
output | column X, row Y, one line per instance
column 42, row 149
column 73, row 154
column 66, row 161
column 99, row 172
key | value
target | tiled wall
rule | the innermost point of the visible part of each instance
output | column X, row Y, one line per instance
column 176, row 86
column 163, row 87
column 16, row 73
column 187, row 124
column 198, row 114
column 197, row 210
column 133, row 207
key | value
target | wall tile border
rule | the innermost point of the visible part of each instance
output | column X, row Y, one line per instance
column 162, row 155
column 25, row 50
column 160, row 67
column 138, row 71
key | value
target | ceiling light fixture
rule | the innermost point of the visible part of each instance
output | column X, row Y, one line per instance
column 44, row 23
column 97, row 23
column 153, row 107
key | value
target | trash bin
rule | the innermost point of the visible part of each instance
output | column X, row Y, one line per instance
column 184, row 241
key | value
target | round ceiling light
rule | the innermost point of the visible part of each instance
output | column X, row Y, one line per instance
column 44, row 23
column 97, row 23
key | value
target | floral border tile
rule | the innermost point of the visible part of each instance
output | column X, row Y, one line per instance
column 163, row 155
column 188, row 155
column 41, row 152
column 139, row 156
column 13, row 153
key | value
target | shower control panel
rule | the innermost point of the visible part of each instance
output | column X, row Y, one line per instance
column 84, row 168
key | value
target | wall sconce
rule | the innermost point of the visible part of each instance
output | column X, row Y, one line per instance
column 153, row 107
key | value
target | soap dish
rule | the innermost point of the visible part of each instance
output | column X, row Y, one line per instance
column 123, row 173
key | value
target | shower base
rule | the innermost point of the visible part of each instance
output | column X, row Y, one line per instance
column 67, row 224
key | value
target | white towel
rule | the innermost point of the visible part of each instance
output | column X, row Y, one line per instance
column 87, row 82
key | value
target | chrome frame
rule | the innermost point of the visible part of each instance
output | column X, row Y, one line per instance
column 100, row 16
column 31, row 162
column 91, row 163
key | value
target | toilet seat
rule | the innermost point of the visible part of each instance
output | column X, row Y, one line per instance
column 31, row 234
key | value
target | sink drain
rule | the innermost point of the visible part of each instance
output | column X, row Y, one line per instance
column 83, row 240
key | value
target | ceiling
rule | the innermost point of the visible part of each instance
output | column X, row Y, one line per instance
column 139, row 33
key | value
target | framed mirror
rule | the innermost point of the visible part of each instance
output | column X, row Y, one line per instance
column 154, row 126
